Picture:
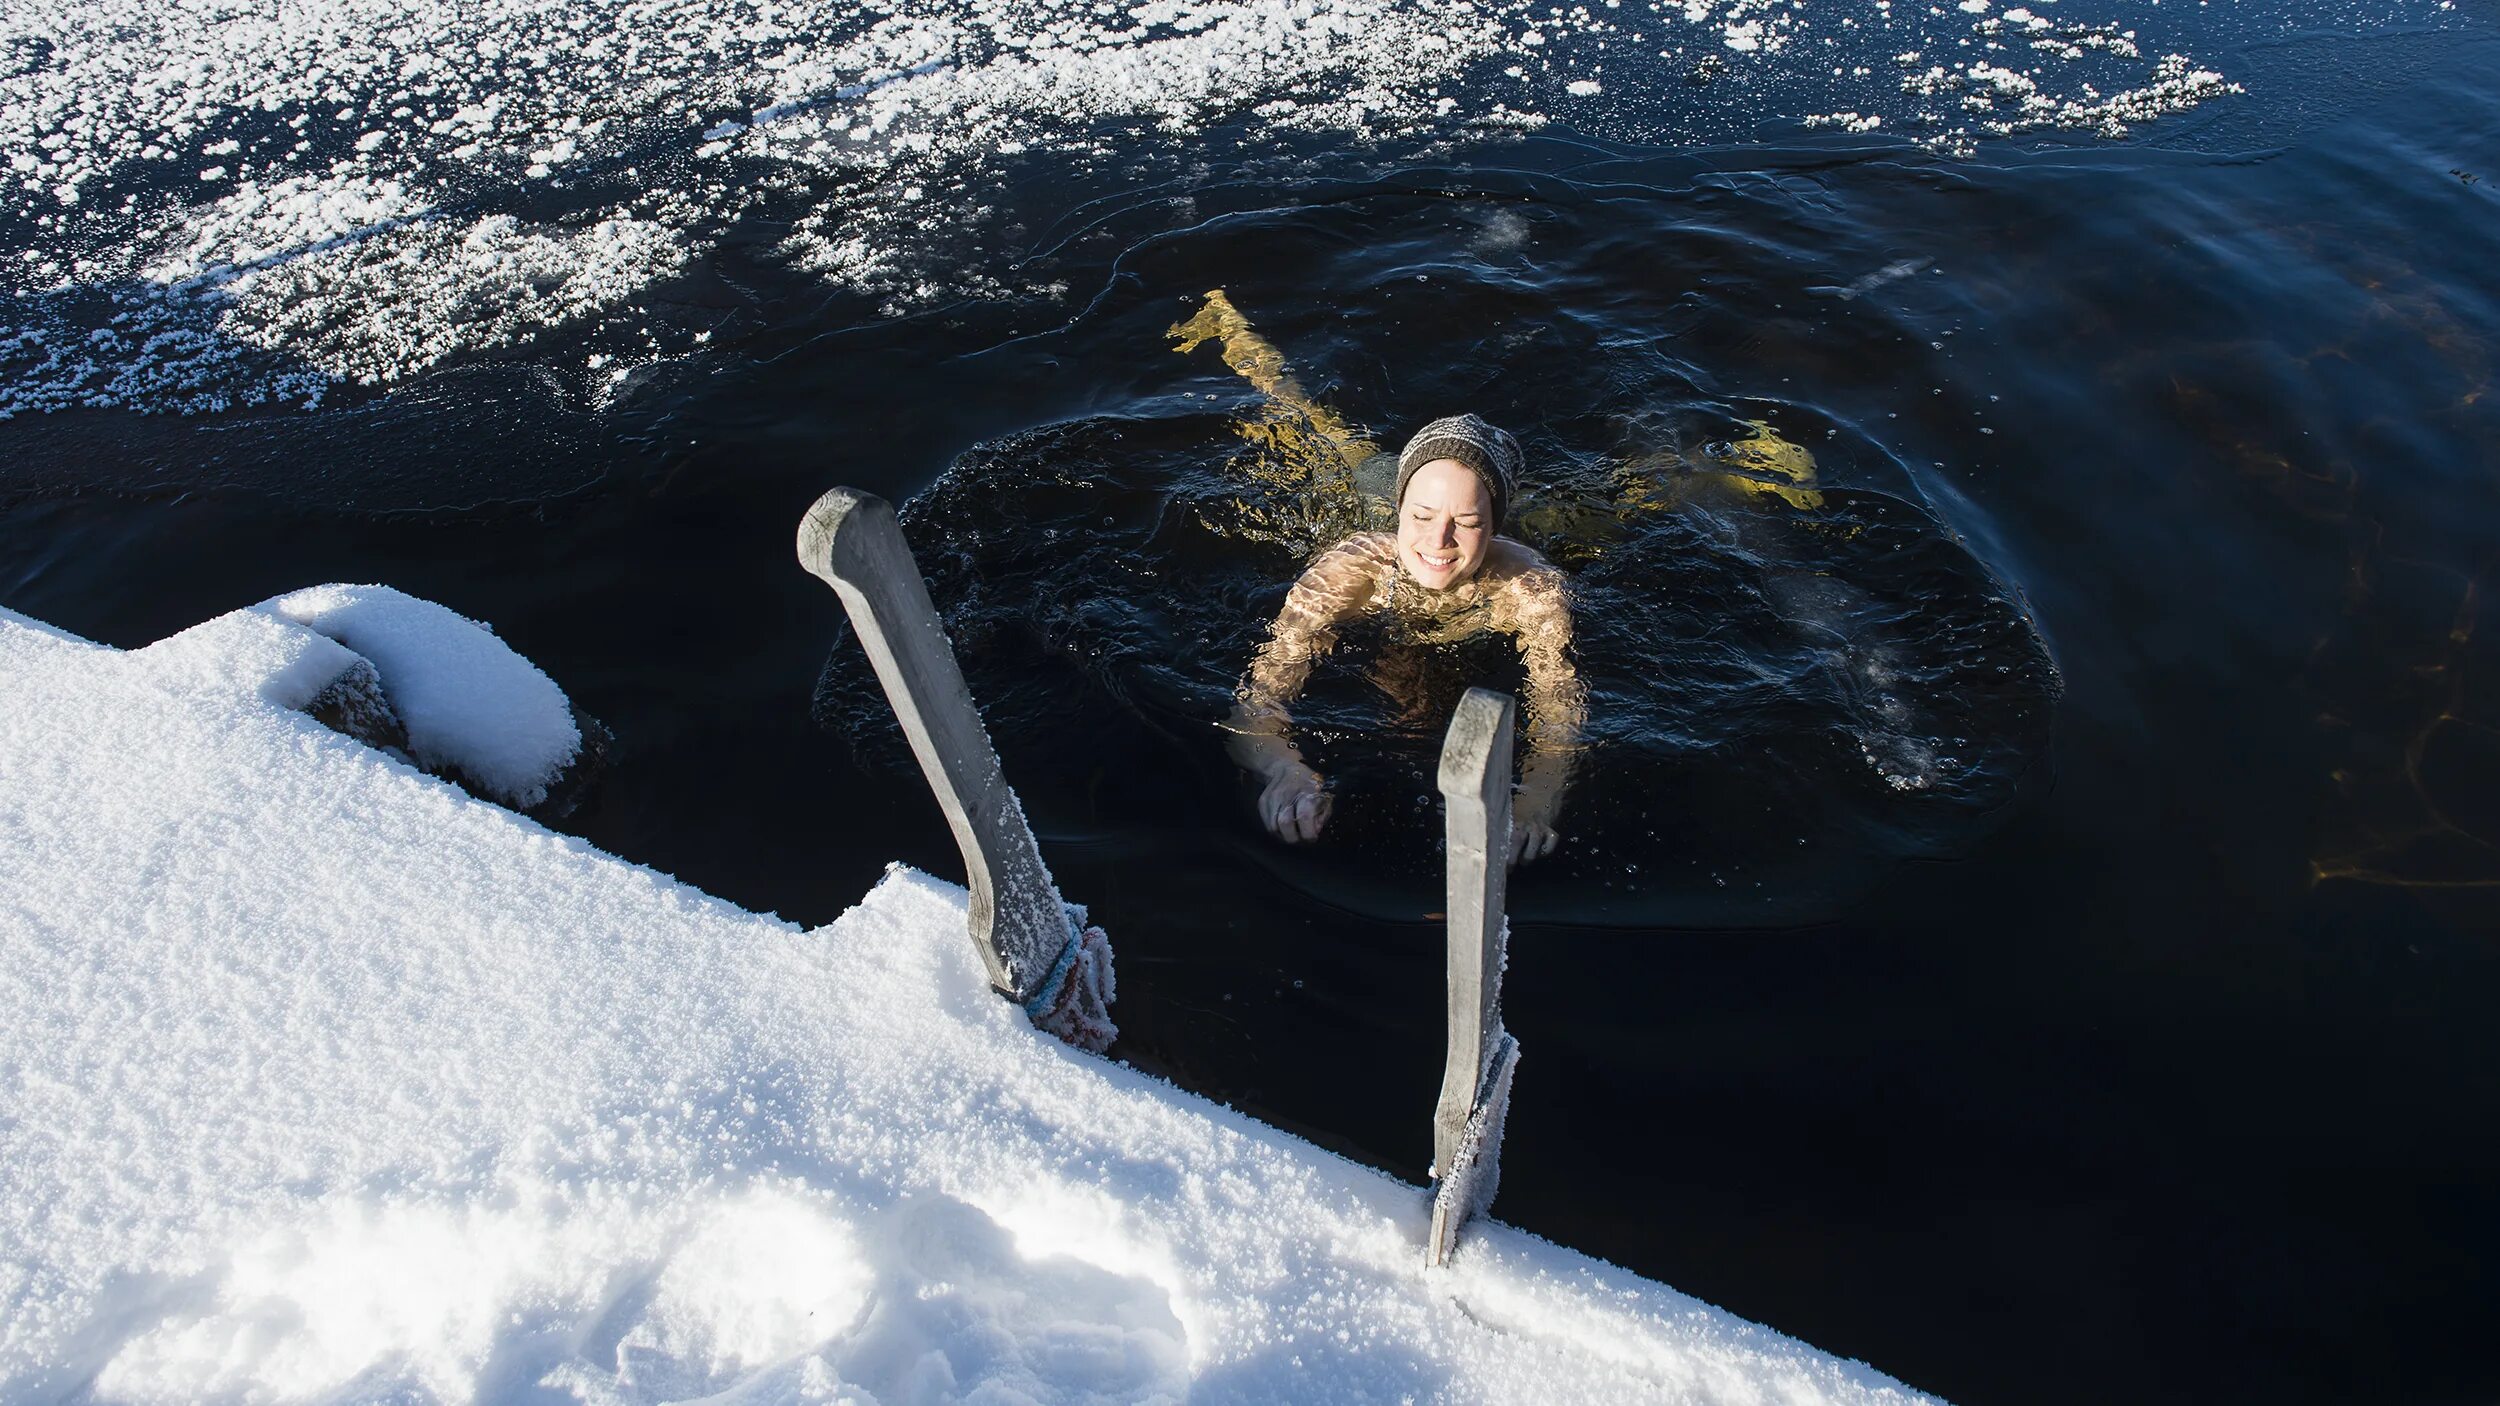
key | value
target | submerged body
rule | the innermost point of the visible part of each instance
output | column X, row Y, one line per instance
column 1513, row 592
column 1443, row 576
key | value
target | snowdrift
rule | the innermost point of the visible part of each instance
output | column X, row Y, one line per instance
column 325, row 1080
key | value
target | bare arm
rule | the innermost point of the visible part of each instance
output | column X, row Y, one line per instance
column 1342, row 583
column 1557, row 705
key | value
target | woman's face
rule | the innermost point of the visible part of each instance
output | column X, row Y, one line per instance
column 1445, row 523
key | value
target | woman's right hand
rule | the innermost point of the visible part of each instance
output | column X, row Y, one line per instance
column 1294, row 804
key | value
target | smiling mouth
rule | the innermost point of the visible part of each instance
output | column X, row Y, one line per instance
column 1437, row 563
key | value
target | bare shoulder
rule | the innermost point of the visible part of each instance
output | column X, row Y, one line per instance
column 1519, row 571
column 1363, row 556
column 1509, row 557
column 1371, row 548
column 1349, row 573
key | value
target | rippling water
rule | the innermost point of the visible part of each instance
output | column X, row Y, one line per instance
column 1787, row 687
column 2030, row 908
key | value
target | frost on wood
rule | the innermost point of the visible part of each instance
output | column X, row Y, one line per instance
column 1035, row 946
column 1074, row 1002
column 1464, row 1189
column 1475, row 783
column 354, row 704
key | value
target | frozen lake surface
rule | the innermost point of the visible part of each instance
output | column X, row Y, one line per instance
column 2027, row 922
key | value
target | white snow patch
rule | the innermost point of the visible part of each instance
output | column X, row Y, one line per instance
column 328, row 1082
column 426, row 291
column 351, row 239
column 471, row 704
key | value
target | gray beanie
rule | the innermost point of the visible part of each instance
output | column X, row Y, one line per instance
column 1491, row 452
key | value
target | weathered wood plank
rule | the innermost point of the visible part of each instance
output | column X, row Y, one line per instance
column 852, row 541
column 1475, row 1082
column 1465, row 1189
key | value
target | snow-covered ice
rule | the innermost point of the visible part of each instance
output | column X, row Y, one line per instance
column 326, row 1081
column 223, row 203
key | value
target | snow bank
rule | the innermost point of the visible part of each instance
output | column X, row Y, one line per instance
column 325, row 1081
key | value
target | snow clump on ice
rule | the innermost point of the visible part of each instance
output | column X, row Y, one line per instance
column 471, row 704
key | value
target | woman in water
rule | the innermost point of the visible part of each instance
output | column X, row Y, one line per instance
column 1446, row 573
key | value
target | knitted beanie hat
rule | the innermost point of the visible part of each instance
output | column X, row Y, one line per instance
column 1490, row 452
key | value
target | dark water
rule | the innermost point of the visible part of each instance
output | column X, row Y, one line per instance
column 2030, row 922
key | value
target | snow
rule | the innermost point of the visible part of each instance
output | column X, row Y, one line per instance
column 361, row 240
column 225, row 203
column 470, row 703
column 326, row 1081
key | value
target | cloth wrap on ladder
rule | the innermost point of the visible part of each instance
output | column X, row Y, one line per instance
column 1074, row 1000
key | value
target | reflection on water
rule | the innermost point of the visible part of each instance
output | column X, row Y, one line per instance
column 2407, row 678
column 2400, row 675
column 2416, row 784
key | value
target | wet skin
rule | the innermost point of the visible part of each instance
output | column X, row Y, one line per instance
column 1444, row 525
column 1443, row 541
column 1443, row 533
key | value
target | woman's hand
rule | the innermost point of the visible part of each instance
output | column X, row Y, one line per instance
column 1532, row 836
column 1295, row 804
column 1531, row 840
